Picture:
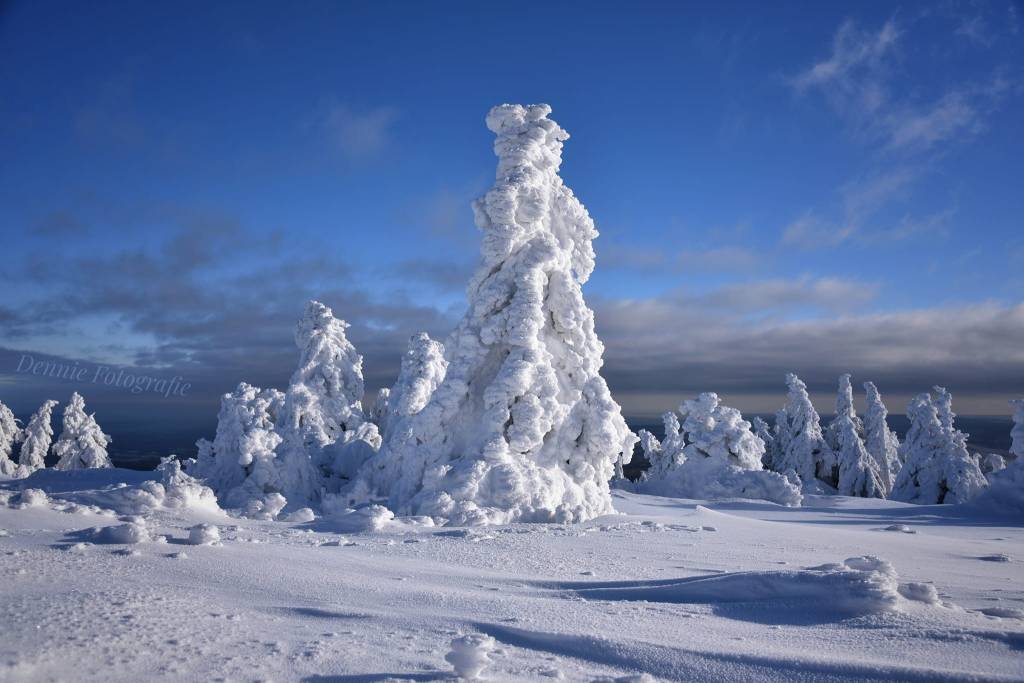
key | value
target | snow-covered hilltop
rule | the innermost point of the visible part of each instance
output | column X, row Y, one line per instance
column 522, row 427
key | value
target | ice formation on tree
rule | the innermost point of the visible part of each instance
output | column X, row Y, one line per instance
column 764, row 432
column 10, row 434
column 859, row 474
column 240, row 463
column 713, row 455
column 38, row 435
column 82, row 444
column 881, row 442
column 801, row 445
column 423, row 369
column 1017, row 433
column 522, row 427
column 325, row 433
column 936, row 466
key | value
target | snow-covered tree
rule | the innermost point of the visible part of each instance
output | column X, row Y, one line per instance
column 1005, row 496
column 764, row 432
column 880, row 441
column 82, row 444
column 1017, row 433
column 322, row 417
column 943, row 401
column 859, row 474
column 379, row 409
column 712, row 455
column 423, row 369
column 10, row 434
column 801, row 444
column 240, row 464
column 522, row 427
column 37, row 438
column 936, row 466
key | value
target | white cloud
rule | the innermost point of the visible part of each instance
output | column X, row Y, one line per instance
column 359, row 134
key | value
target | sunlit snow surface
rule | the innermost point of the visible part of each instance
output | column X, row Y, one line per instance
column 680, row 590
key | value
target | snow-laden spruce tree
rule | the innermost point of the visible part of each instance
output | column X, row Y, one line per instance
column 37, row 438
column 881, row 442
column 764, row 432
column 1017, row 433
column 666, row 455
column 801, row 444
column 859, row 474
column 423, row 369
column 523, row 427
column 240, row 464
column 82, row 444
column 936, row 466
column 322, row 426
column 10, row 435
column 714, row 455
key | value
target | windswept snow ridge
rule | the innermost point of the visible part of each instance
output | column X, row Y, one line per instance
column 522, row 427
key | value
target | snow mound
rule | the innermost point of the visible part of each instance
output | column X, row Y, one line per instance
column 204, row 534
column 135, row 531
column 858, row 586
column 470, row 655
column 347, row 520
column 522, row 427
column 32, row 498
column 301, row 516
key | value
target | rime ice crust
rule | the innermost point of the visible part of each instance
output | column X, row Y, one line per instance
column 522, row 427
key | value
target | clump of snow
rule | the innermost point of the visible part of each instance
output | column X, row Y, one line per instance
column 267, row 507
column 801, row 446
column 348, row 520
column 204, row 534
column 880, row 441
column 32, row 498
column 135, row 531
column 937, row 467
column 712, row 454
column 859, row 474
column 36, row 440
column 470, row 655
column 920, row 592
column 301, row 516
column 82, row 444
column 522, row 427
column 10, row 434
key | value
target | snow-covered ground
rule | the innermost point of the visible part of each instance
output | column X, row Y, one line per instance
column 675, row 589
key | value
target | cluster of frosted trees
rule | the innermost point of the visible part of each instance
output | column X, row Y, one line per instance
column 509, row 421
column 81, row 445
column 851, row 456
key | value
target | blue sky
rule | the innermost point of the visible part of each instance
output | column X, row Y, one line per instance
column 810, row 187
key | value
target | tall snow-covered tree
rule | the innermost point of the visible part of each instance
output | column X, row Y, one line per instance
column 523, row 426
column 764, row 432
column 881, row 442
column 936, row 466
column 859, row 474
column 712, row 455
column 82, row 444
column 1017, row 433
column 10, row 434
column 38, row 436
column 240, row 464
column 943, row 401
column 322, row 409
column 802, row 446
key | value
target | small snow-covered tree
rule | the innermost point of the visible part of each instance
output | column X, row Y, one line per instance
column 663, row 456
column 38, row 436
column 802, row 446
column 423, row 369
column 936, row 466
column 943, row 401
column 82, row 444
column 322, row 417
column 1017, row 433
column 240, row 464
column 379, row 409
column 523, row 426
column 713, row 455
column 880, row 441
column 10, row 434
column 764, row 432
column 859, row 474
